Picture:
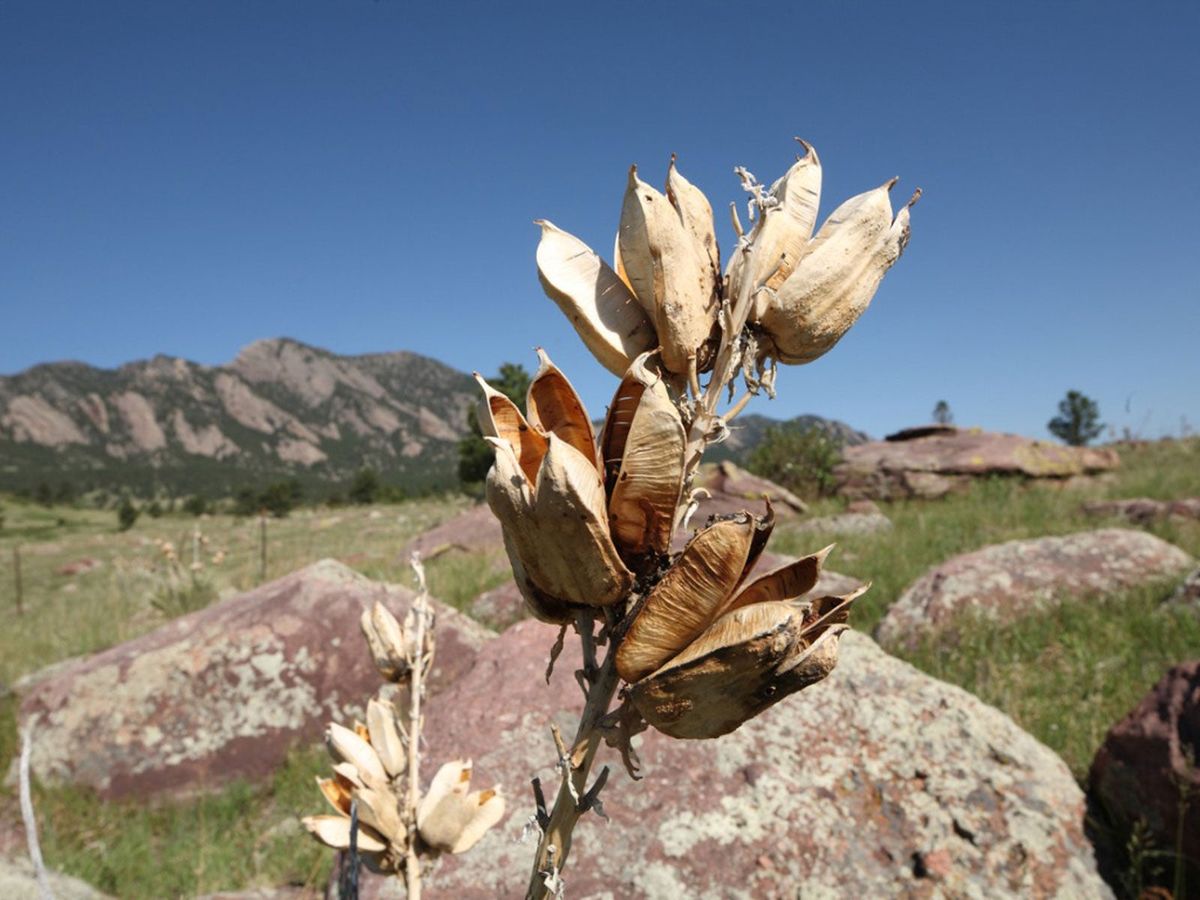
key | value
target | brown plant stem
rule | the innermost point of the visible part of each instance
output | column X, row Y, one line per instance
column 555, row 844
column 418, row 668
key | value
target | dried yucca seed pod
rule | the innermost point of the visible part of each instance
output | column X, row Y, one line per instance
column 598, row 303
column 452, row 818
column 694, row 591
column 786, row 228
column 385, row 638
column 642, row 449
column 380, row 809
column 385, row 736
column 833, row 282
column 346, row 746
column 334, row 832
column 748, row 660
column 707, row 651
column 669, row 272
column 545, row 489
column 695, row 212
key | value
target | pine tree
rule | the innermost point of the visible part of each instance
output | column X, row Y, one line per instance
column 1078, row 420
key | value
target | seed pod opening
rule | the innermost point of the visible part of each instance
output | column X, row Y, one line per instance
column 642, row 448
column 555, row 408
column 689, row 596
column 500, row 418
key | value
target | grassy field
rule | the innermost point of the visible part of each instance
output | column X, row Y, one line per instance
column 1065, row 675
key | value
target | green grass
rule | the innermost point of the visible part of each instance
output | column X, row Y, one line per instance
column 244, row 835
column 1068, row 674
column 992, row 511
column 131, row 590
column 1065, row 675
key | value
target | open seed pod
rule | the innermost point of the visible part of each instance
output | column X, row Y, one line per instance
column 785, row 230
column 546, row 490
column 835, row 278
column 451, row 818
column 598, row 303
column 706, row 652
column 334, row 832
column 748, row 660
column 693, row 593
column 347, row 746
column 385, row 638
column 385, row 736
column 642, row 451
column 669, row 270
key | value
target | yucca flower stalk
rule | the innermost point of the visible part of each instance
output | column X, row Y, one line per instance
column 375, row 790
column 588, row 523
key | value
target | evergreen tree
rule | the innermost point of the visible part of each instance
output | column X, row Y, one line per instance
column 127, row 514
column 942, row 414
column 1078, row 420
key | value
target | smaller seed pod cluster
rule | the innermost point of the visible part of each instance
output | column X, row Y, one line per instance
column 372, row 780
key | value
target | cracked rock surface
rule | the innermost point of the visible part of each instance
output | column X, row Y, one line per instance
column 224, row 692
column 878, row 782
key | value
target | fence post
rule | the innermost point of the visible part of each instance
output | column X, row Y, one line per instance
column 17, row 579
column 262, row 549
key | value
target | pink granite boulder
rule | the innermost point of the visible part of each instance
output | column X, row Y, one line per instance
column 224, row 692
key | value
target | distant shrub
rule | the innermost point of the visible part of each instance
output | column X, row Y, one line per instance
column 1078, row 420
column 281, row 497
column 801, row 458
column 245, row 502
column 195, row 505
column 154, row 509
column 366, row 487
column 127, row 514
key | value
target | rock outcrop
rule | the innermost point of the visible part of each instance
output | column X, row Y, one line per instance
column 18, row 882
column 1004, row 581
column 1143, row 511
column 878, row 782
column 475, row 529
column 1188, row 593
column 224, row 692
column 931, row 462
column 1150, row 759
column 732, row 489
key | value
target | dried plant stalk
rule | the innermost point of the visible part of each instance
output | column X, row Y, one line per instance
column 704, row 653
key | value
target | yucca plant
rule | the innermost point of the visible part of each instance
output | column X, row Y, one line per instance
column 687, row 642
column 380, row 812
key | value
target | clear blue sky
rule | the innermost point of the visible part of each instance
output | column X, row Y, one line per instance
column 187, row 177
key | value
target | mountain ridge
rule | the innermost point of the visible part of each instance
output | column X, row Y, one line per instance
column 281, row 408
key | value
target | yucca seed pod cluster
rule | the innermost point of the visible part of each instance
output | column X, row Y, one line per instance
column 699, row 642
column 581, row 517
column 665, row 289
column 702, row 652
column 370, row 768
column 374, row 772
